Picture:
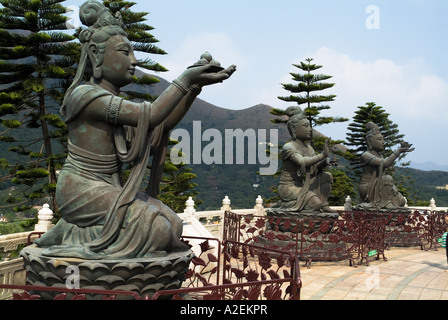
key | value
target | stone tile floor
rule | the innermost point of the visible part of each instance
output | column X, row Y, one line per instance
column 408, row 274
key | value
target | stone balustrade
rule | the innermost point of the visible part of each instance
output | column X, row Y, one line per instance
column 11, row 270
column 212, row 220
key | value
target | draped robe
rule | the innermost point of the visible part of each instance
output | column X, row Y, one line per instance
column 298, row 184
column 377, row 189
column 100, row 217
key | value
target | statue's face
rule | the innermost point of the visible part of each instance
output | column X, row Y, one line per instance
column 119, row 61
column 377, row 142
column 303, row 130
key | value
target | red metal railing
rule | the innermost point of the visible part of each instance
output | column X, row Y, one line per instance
column 247, row 272
column 355, row 235
column 250, row 272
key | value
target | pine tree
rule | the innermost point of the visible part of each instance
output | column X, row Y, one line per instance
column 36, row 61
column 342, row 187
column 176, row 184
column 143, row 42
column 303, row 93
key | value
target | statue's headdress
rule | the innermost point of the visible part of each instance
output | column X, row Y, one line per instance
column 372, row 130
column 295, row 114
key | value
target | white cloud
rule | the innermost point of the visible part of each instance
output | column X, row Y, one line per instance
column 404, row 90
column 223, row 49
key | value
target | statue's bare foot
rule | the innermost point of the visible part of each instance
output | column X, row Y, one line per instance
column 328, row 209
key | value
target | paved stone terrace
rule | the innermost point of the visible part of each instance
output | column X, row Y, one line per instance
column 408, row 274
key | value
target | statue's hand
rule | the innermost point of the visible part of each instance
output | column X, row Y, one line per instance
column 326, row 150
column 206, row 71
column 204, row 75
column 405, row 147
column 229, row 71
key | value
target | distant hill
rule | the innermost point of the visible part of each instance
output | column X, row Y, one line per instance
column 241, row 183
column 428, row 166
column 425, row 183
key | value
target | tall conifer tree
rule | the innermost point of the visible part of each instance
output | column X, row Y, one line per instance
column 36, row 61
column 305, row 94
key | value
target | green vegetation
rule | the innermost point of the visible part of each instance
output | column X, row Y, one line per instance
column 36, row 66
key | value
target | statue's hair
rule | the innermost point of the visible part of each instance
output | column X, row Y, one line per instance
column 101, row 25
column 293, row 110
column 295, row 116
column 100, row 22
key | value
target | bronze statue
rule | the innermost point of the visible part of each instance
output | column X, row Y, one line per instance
column 304, row 186
column 102, row 217
column 377, row 189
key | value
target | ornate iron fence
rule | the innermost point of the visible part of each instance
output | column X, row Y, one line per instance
column 355, row 235
column 348, row 238
column 249, row 272
column 414, row 228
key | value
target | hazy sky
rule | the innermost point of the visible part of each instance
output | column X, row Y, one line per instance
column 391, row 52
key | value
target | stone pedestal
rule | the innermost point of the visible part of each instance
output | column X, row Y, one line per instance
column 315, row 217
column 368, row 207
column 142, row 275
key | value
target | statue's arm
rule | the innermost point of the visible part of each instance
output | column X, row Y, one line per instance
column 128, row 113
column 184, row 105
column 172, row 99
column 164, row 105
column 181, row 109
column 323, row 163
column 368, row 158
column 298, row 159
column 390, row 159
column 319, row 159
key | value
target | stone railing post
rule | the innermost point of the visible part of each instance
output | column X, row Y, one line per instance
column 258, row 208
column 226, row 204
column 189, row 207
column 348, row 204
column 432, row 204
column 45, row 216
